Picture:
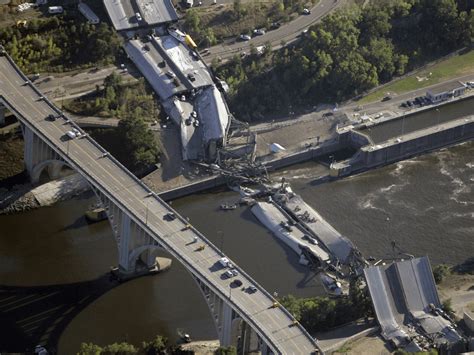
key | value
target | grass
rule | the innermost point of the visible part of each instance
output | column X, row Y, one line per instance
column 447, row 69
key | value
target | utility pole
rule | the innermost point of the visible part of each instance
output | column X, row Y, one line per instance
column 221, row 234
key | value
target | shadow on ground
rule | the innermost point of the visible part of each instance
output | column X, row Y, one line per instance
column 30, row 316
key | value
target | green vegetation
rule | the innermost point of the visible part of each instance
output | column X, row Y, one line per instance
column 155, row 347
column 440, row 272
column 208, row 26
column 321, row 313
column 448, row 307
column 116, row 99
column 230, row 350
column 133, row 143
column 449, row 68
column 349, row 52
column 60, row 43
column 403, row 352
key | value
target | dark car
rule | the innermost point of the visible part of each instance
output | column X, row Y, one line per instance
column 275, row 25
column 170, row 216
column 410, row 103
column 191, row 77
column 386, row 98
column 51, row 117
column 236, row 283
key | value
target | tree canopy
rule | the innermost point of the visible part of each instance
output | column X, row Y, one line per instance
column 347, row 53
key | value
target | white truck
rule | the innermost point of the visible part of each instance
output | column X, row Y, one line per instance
column 55, row 10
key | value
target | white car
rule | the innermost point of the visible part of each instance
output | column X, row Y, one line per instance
column 224, row 261
column 306, row 11
column 228, row 274
column 259, row 31
column 71, row 134
column 244, row 37
column 138, row 16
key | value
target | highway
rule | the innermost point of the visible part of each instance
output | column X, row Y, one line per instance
column 287, row 33
column 147, row 210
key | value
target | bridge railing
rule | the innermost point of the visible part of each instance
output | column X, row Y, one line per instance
column 138, row 220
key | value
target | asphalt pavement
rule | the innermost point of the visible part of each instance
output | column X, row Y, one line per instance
column 287, row 33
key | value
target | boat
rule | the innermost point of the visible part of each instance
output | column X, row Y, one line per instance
column 96, row 214
column 227, row 207
column 184, row 336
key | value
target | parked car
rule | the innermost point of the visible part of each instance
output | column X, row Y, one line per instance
column 196, row 123
column 191, row 77
column 138, row 16
column 170, row 74
column 275, row 25
column 306, row 11
column 244, row 37
column 259, row 31
column 51, row 117
column 386, row 98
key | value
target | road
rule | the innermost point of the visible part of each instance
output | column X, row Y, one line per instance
column 287, row 33
column 127, row 192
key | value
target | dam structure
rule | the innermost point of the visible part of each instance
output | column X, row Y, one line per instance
column 381, row 142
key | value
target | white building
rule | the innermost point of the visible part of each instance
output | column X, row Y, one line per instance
column 88, row 13
column 446, row 92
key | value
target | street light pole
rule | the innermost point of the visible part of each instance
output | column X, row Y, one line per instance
column 146, row 213
column 221, row 234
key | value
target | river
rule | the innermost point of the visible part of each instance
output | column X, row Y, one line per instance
column 425, row 205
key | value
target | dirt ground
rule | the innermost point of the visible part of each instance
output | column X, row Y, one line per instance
column 207, row 347
column 369, row 345
column 460, row 289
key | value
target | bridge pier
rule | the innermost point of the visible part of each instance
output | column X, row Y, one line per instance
column 39, row 156
column 136, row 248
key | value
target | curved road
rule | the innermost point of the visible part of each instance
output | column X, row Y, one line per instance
column 287, row 32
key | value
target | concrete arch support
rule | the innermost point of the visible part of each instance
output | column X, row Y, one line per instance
column 228, row 323
column 38, row 156
column 133, row 243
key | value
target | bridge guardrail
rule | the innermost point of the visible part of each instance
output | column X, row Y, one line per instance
column 137, row 220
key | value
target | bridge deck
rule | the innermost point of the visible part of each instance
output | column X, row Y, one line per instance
column 118, row 184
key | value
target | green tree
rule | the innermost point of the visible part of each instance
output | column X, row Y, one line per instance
column 440, row 271
column 229, row 350
column 155, row 347
column 89, row 349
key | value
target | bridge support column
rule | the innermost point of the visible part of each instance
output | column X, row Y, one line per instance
column 136, row 249
column 38, row 155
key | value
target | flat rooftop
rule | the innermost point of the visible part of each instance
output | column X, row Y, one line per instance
column 122, row 13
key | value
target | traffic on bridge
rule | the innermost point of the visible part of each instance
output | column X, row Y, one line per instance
column 274, row 325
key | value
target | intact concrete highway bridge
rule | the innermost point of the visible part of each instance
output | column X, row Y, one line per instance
column 139, row 225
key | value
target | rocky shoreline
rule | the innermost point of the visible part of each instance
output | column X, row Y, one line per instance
column 18, row 199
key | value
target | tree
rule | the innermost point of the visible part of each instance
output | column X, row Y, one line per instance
column 155, row 347
column 440, row 271
column 89, row 349
column 230, row 350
